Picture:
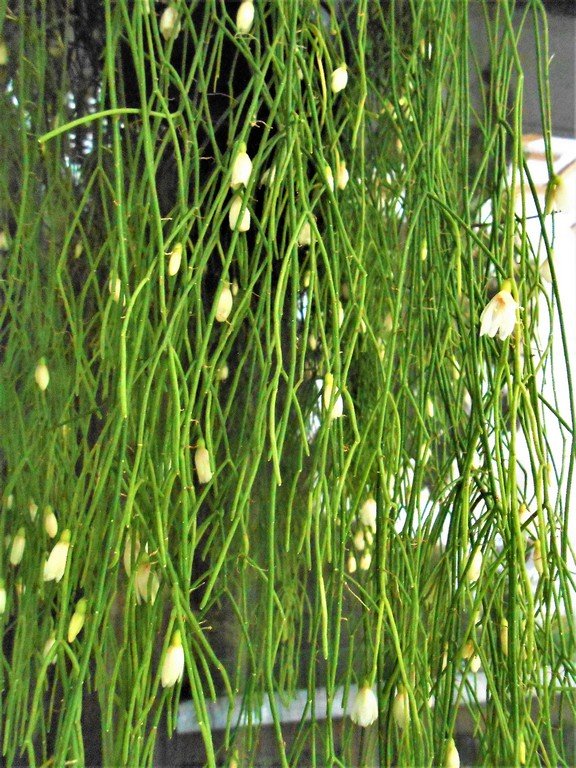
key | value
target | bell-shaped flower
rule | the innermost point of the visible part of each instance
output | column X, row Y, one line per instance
column 365, row 708
column 77, row 620
column 147, row 582
column 175, row 260
column 241, row 169
column 339, row 79
column 401, row 708
column 234, row 218
column 173, row 665
column 55, row 565
column 245, row 17
column 499, row 316
column 169, row 23
column 224, row 304
column 18, row 545
column 42, row 375
column 368, row 514
column 202, row 462
column 336, row 407
column 50, row 522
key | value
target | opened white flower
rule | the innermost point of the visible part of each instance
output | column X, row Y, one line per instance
column 241, row 169
column 42, row 375
column 234, row 215
column 452, row 755
column 368, row 513
column 55, row 566
column 224, row 304
column 50, row 522
column 365, row 708
column 336, row 407
column 147, row 583
column 77, row 620
column 173, row 666
column 499, row 316
column 175, row 259
column 169, row 24
column 401, row 708
column 245, row 17
column 202, row 462
column 339, row 79
column 18, row 545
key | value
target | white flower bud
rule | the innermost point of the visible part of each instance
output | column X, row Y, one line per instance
column 312, row 342
column 452, row 756
column 429, row 408
column 329, row 177
column 351, row 564
column 42, row 375
column 245, row 17
column 18, row 545
column 474, row 566
column 2, row 597
column 305, row 235
column 504, row 636
column 401, row 708
column 3, row 54
column 337, row 409
column 365, row 561
column 365, row 709
column 50, row 522
column 202, row 462
column 475, row 663
column 115, row 288
column 241, row 169
column 522, row 751
column 55, row 565
column 342, row 175
column 9, row 501
column 169, row 23
column 538, row 558
column 147, row 583
column 32, row 509
column 368, row 513
column 359, row 541
column 424, row 250
column 77, row 620
column 234, row 215
column 173, row 665
column 267, row 178
column 222, row 372
column 224, row 304
column 340, row 314
column 175, row 260
column 339, row 79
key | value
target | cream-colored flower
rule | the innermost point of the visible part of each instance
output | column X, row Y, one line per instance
column 342, row 175
column 147, row 582
column 77, row 620
column 175, row 259
column 224, row 304
column 329, row 177
column 504, row 636
column 365, row 708
column 475, row 663
column 337, row 407
column 401, row 708
column 18, row 545
column 234, row 219
column 245, row 17
column 359, row 541
column 474, row 566
column 452, row 755
column 3, row 54
column 241, row 169
column 55, row 565
column 169, row 23
column 351, row 564
column 499, row 316
column 305, row 235
column 50, row 522
column 339, row 79
column 173, row 665
column 368, row 514
column 202, row 462
column 42, row 375
column 365, row 561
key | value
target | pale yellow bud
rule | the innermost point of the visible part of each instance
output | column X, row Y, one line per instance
column 351, row 564
column 365, row 708
column 55, row 565
column 169, row 23
column 77, row 620
column 3, row 240
column 2, row 597
column 305, row 235
column 452, row 755
column 131, row 553
column 337, row 407
column 475, row 663
column 32, row 509
column 245, row 17
column 234, row 220
column 424, row 250
column 359, row 540
column 50, row 522
column 18, row 545
column 147, row 583
column 538, row 557
column 329, row 176
column 115, row 288
column 175, row 259
column 401, row 708
column 224, row 304
column 522, row 751
column 241, row 169
column 365, row 561
column 42, row 375
column 474, row 566
column 173, row 665
column 202, row 462
column 3, row 54
column 342, row 175
column 368, row 513
column 48, row 645
column 222, row 372
column 504, row 636
column 339, row 79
